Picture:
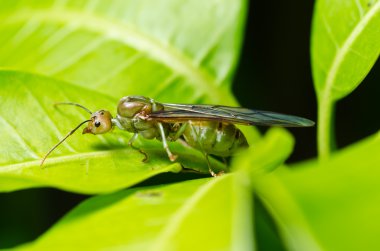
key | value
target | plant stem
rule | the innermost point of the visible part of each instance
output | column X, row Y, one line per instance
column 325, row 138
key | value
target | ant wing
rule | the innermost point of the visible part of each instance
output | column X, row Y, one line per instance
column 236, row 115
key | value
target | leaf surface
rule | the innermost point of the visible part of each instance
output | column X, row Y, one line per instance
column 329, row 207
column 159, row 218
column 267, row 154
column 161, row 49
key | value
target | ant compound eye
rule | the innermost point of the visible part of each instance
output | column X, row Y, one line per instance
column 97, row 123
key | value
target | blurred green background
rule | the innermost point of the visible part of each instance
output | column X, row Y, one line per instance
column 274, row 73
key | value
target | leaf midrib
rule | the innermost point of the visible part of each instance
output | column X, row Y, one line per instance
column 59, row 159
column 126, row 34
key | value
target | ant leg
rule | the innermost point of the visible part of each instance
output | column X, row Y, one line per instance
column 171, row 156
column 184, row 143
column 178, row 134
column 130, row 143
column 180, row 131
column 205, row 154
column 210, row 167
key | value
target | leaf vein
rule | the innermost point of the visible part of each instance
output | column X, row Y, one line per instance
column 330, row 33
column 76, row 56
column 360, row 8
column 49, row 120
column 18, row 137
column 118, row 69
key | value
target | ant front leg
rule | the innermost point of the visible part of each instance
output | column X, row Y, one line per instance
column 130, row 143
column 171, row 156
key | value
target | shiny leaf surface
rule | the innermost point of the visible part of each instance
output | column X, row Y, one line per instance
column 159, row 218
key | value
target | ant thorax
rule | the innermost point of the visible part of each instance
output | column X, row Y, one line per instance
column 133, row 113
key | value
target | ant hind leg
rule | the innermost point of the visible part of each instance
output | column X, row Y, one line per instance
column 210, row 168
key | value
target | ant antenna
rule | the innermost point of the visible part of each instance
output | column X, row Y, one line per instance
column 75, row 104
column 71, row 132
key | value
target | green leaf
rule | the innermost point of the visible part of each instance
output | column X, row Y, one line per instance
column 345, row 45
column 83, row 163
column 267, row 154
column 160, row 49
column 266, row 233
column 329, row 207
column 203, row 214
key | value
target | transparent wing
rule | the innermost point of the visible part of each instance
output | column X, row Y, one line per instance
column 236, row 115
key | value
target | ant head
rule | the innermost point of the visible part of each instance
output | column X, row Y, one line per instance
column 101, row 122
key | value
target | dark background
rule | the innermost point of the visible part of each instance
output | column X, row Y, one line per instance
column 274, row 74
